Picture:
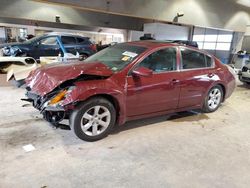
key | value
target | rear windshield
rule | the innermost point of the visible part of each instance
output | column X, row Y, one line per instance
column 117, row 57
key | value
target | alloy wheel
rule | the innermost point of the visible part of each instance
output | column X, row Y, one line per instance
column 95, row 120
column 214, row 98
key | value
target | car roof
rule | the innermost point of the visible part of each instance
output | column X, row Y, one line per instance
column 65, row 34
column 162, row 43
column 151, row 43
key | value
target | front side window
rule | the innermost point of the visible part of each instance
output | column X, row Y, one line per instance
column 49, row 41
column 160, row 61
column 117, row 57
column 192, row 59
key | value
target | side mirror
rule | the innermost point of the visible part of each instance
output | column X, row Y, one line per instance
column 142, row 71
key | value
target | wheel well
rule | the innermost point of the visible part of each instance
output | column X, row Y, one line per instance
column 110, row 99
column 83, row 53
column 224, row 90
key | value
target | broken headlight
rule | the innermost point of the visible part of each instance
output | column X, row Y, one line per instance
column 6, row 51
column 60, row 96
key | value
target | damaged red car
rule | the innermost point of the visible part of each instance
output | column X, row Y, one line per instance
column 129, row 81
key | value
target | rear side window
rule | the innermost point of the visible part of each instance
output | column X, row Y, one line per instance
column 192, row 59
column 82, row 40
column 68, row 40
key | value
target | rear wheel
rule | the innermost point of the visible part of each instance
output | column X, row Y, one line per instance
column 213, row 99
column 93, row 120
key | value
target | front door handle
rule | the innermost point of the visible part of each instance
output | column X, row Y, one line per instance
column 175, row 81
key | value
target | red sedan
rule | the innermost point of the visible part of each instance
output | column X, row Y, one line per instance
column 129, row 81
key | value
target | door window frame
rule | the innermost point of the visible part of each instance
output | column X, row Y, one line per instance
column 39, row 41
column 153, row 51
column 198, row 51
column 76, row 43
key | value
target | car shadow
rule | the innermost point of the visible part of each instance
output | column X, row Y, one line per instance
column 186, row 116
column 247, row 86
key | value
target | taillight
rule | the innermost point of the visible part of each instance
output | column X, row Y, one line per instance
column 93, row 47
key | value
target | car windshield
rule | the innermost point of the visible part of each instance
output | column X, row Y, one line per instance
column 117, row 57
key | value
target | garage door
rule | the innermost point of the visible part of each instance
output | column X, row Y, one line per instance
column 216, row 42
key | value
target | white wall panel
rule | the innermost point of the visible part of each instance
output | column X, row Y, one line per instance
column 167, row 31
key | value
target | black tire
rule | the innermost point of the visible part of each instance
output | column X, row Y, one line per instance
column 206, row 107
column 77, row 115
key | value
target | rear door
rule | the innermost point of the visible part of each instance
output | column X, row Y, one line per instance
column 197, row 75
column 84, row 46
column 69, row 43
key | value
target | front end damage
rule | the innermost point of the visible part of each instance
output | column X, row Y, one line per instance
column 53, row 96
column 58, row 104
column 50, row 105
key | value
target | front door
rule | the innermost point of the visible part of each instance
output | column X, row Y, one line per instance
column 158, row 92
column 47, row 47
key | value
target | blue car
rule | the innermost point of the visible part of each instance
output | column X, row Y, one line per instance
column 51, row 44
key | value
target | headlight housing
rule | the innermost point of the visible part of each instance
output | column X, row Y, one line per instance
column 60, row 96
column 6, row 51
column 11, row 50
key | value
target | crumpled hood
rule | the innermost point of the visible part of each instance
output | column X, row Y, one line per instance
column 43, row 80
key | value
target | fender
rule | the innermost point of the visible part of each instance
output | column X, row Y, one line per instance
column 85, row 90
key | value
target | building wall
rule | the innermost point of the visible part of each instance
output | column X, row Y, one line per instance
column 31, row 10
column 167, row 32
column 227, row 14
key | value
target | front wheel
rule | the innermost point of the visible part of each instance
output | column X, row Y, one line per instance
column 93, row 120
column 213, row 99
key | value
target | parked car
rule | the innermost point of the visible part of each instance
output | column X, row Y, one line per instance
column 244, row 75
column 129, row 81
column 51, row 44
column 239, row 60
